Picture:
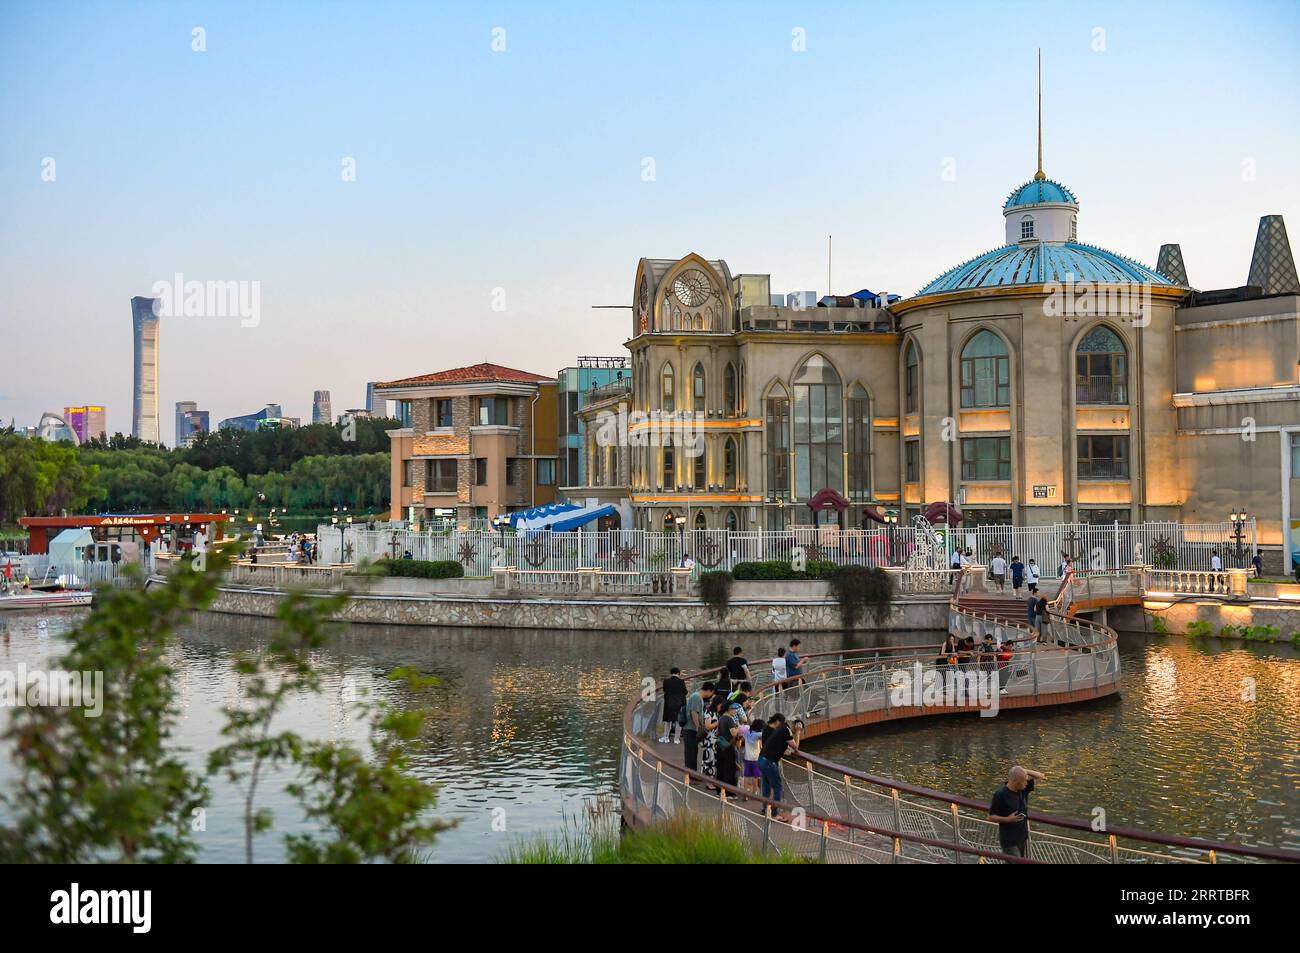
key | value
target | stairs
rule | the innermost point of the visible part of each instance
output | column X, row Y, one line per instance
column 1005, row 608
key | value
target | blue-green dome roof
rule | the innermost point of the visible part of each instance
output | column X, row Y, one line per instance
column 1039, row 191
column 1035, row 263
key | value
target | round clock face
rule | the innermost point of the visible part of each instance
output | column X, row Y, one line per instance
column 691, row 289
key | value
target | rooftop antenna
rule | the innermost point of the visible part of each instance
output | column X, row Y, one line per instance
column 1039, row 175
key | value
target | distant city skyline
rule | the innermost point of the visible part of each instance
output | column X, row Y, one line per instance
column 481, row 201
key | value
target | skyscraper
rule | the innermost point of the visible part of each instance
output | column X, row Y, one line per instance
column 144, row 407
column 183, row 407
column 320, row 408
column 375, row 406
column 87, row 422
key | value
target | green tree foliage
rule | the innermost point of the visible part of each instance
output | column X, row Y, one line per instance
column 39, row 478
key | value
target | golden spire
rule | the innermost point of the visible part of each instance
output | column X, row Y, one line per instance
column 1039, row 175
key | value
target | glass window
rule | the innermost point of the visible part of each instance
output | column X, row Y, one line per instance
column 669, row 468
column 912, row 461
column 911, row 380
column 699, row 469
column 1295, row 456
column 1026, row 228
column 1103, row 457
column 986, row 458
column 733, row 524
column 480, row 471
column 667, row 390
column 700, row 521
column 729, row 391
column 818, row 428
column 546, row 473
column 444, row 413
column 697, row 390
column 729, row 464
column 778, row 445
column 440, row 476
column 985, row 372
column 493, row 411
column 510, row 470
column 859, row 443
column 1101, row 368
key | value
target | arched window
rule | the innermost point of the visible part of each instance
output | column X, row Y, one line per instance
column 669, row 467
column 1074, row 229
column 670, row 521
column 729, row 464
column 700, row 521
column 985, row 372
column 667, row 390
column 911, row 380
column 733, row 523
column 742, row 400
column 1026, row 227
column 729, row 390
column 699, row 469
column 777, row 426
column 697, row 389
column 818, row 428
column 1101, row 368
column 858, row 409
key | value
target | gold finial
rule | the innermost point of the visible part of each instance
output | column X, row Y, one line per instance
column 1040, row 175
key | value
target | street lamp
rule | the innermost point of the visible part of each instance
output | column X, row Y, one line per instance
column 681, row 536
column 891, row 525
column 1238, row 533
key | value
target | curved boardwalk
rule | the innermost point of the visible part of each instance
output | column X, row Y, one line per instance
column 840, row 815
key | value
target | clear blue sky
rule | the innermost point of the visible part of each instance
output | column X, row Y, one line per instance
column 522, row 169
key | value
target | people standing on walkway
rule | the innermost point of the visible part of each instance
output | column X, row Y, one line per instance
column 1257, row 562
column 793, row 666
column 1041, row 610
column 998, row 569
column 955, row 562
column 1010, row 810
column 1031, row 577
column 1216, row 566
column 753, row 739
column 728, row 740
column 778, row 742
column 1065, row 566
column 709, row 740
column 697, row 707
column 1017, row 574
column 966, row 563
column 674, row 701
column 1006, row 652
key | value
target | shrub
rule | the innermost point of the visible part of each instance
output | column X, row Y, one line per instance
column 858, row 588
column 1260, row 633
column 420, row 568
column 715, row 592
column 1200, row 629
column 1159, row 625
column 779, row 569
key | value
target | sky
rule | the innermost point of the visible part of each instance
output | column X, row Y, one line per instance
column 413, row 187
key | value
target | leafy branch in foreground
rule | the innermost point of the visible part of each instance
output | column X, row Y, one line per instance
column 108, row 786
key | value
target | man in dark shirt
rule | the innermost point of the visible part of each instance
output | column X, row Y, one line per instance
column 738, row 666
column 778, row 741
column 1010, row 810
column 728, row 731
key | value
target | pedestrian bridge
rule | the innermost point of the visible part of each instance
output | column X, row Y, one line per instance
column 839, row 815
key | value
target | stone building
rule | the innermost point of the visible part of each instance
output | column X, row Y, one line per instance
column 1048, row 380
column 478, row 442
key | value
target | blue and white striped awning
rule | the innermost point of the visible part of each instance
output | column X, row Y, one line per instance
column 557, row 517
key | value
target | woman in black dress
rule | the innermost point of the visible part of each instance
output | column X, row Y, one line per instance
column 674, row 702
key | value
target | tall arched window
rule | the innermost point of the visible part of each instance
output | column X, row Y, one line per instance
column 669, row 467
column 667, row 390
column 777, row 425
column 858, row 409
column 733, row 523
column 729, row 464
column 818, row 428
column 697, row 389
column 1101, row 368
column 742, row 400
column 670, row 522
column 700, row 469
column 729, row 390
column 985, row 372
column 911, row 380
column 700, row 521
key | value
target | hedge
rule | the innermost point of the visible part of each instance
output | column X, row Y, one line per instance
column 420, row 568
column 778, row 569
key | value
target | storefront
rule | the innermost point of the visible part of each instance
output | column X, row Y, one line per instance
column 146, row 529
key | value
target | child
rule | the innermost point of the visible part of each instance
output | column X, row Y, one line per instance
column 753, row 736
column 778, row 667
column 1031, row 576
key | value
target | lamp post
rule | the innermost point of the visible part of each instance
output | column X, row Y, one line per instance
column 891, row 526
column 1238, row 534
column 681, row 538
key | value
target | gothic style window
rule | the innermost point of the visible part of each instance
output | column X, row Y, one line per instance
column 669, row 468
column 700, row 469
column 697, row 389
column 667, row 390
column 778, row 443
column 985, row 372
column 729, row 464
column 700, row 521
column 818, row 428
column 1026, row 228
column 733, row 524
column 911, row 380
column 729, row 391
column 858, row 407
column 1101, row 368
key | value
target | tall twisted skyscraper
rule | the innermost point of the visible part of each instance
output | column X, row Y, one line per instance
column 144, row 405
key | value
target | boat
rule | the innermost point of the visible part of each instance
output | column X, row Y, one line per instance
column 56, row 599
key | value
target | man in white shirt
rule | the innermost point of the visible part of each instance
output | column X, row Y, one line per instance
column 998, row 568
column 1216, row 564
